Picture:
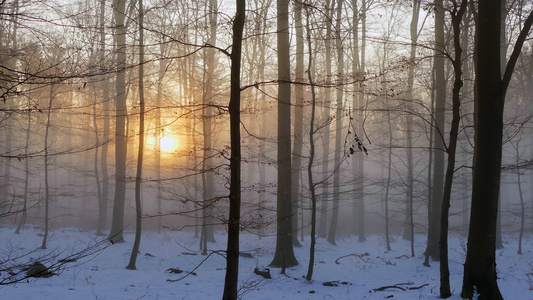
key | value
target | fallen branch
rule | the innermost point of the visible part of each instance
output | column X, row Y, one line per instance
column 418, row 287
column 389, row 287
column 398, row 286
column 353, row 254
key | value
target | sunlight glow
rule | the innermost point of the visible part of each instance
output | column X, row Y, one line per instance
column 168, row 144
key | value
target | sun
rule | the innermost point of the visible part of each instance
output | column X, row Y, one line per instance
column 168, row 144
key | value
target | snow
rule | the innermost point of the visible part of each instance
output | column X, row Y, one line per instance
column 360, row 269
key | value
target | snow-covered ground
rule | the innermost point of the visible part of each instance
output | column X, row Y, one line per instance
column 355, row 269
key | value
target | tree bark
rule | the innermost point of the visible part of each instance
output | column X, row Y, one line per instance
column 409, row 232
column 22, row 220
column 390, row 141
column 298, row 121
column 359, row 110
column 338, row 127
column 121, row 112
column 312, row 186
column 326, row 116
column 208, row 100
column 140, row 153
column 480, row 264
column 158, row 136
column 432, row 249
column 520, row 195
column 234, row 221
column 457, row 16
column 284, row 255
column 102, row 203
column 46, row 172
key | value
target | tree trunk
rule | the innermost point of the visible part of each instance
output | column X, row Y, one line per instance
column 359, row 110
column 385, row 89
column 11, row 64
column 46, row 173
column 298, row 121
column 140, row 153
column 326, row 116
column 438, row 135
column 457, row 16
column 158, row 136
column 101, row 203
column 121, row 112
column 207, row 172
column 284, row 255
column 262, row 131
column 312, row 186
column 467, row 90
column 520, row 195
column 480, row 264
column 104, row 83
column 234, row 220
column 338, row 128
column 409, row 232
column 22, row 220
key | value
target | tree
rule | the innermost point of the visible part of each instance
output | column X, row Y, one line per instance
column 208, row 180
column 326, row 116
column 234, row 220
column 432, row 249
column 312, row 185
column 22, row 220
column 140, row 153
column 8, row 88
column 480, row 263
column 102, row 201
column 157, row 136
column 338, row 126
column 46, row 165
column 409, row 218
column 284, row 255
column 358, row 66
column 520, row 193
column 121, row 112
column 384, row 89
column 457, row 13
column 298, row 120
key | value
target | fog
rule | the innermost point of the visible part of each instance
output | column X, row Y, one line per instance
column 379, row 100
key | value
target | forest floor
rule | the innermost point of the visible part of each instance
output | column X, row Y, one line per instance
column 350, row 270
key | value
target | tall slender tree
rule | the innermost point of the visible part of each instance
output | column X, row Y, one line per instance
column 208, row 178
column 312, row 130
column 409, row 218
column 46, row 166
column 121, row 113
column 338, row 125
column 326, row 115
column 102, row 201
column 358, row 67
column 234, row 220
column 480, row 264
column 432, row 249
column 298, row 120
column 457, row 13
column 140, row 152
column 284, row 255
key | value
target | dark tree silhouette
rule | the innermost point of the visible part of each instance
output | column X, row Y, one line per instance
column 234, row 220
column 480, row 264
